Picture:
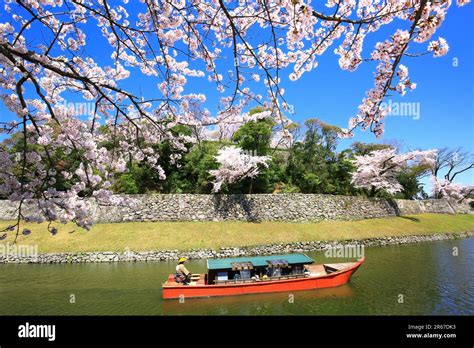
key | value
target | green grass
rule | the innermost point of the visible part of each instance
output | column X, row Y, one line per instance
column 194, row 235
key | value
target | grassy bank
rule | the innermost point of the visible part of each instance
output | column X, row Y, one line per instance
column 200, row 235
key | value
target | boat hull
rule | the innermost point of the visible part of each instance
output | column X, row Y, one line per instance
column 179, row 291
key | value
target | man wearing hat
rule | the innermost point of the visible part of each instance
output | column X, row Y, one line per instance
column 182, row 274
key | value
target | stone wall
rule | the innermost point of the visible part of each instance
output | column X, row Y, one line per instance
column 440, row 206
column 462, row 208
column 168, row 255
column 408, row 207
column 260, row 207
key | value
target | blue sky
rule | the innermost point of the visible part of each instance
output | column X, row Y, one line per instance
column 444, row 93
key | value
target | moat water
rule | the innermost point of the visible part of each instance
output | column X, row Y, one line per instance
column 425, row 278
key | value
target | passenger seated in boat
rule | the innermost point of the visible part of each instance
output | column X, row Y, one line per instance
column 256, row 276
column 182, row 274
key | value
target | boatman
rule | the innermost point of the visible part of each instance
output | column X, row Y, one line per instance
column 182, row 274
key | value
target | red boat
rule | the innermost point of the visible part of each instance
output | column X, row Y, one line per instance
column 261, row 274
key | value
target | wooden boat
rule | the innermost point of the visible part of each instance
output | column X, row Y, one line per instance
column 261, row 274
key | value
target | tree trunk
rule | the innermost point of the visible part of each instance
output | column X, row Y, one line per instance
column 372, row 192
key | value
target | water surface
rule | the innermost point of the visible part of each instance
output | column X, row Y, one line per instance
column 431, row 279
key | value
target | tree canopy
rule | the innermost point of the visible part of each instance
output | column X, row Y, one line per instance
column 83, row 126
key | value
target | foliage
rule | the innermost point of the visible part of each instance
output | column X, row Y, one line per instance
column 52, row 55
column 362, row 149
column 411, row 187
column 314, row 166
column 254, row 136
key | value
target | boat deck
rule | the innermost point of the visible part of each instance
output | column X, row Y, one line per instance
column 340, row 266
column 316, row 270
column 196, row 279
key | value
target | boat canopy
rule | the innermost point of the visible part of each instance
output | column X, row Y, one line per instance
column 258, row 261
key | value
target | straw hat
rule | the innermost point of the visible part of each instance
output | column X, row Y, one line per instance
column 182, row 259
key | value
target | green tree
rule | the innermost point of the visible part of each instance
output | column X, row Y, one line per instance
column 362, row 149
column 409, row 178
column 197, row 163
column 315, row 166
column 255, row 135
column 142, row 178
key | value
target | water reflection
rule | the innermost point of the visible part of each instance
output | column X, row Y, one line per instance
column 256, row 303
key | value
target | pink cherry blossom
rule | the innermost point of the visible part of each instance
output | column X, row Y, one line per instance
column 235, row 165
column 47, row 60
column 449, row 189
column 439, row 47
column 379, row 169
